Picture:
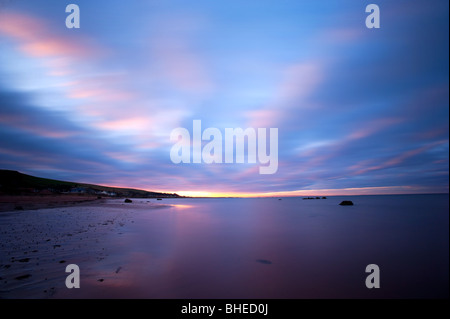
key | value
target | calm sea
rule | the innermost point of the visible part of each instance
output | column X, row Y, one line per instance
column 289, row 248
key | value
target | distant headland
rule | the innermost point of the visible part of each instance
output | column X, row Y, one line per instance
column 16, row 183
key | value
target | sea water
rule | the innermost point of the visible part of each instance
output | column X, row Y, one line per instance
column 292, row 248
column 231, row 248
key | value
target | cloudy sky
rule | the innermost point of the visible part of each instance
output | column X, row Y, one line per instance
column 358, row 111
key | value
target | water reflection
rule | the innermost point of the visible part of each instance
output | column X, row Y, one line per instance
column 181, row 206
column 213, row 248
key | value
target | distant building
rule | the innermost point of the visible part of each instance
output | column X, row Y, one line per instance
column 105, row 193
column 78, row 190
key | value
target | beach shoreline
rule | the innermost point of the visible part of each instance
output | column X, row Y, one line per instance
column 37, row 245
column 9, row 203
column 228, row 248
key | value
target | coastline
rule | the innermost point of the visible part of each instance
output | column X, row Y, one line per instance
column 10, row 203
column 37, row 245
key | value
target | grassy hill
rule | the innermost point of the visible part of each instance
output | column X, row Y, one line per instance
column 16, row 183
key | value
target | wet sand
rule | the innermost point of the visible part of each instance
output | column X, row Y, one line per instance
column 28, row 202
column 37, row 245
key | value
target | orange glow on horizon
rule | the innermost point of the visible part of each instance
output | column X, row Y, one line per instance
column 380, row 190
column 386, row 190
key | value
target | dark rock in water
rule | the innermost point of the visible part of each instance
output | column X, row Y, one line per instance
column 346, row 203
column 24, row 260
column 101, row 280
column 18, row 208
column 128, row 200
column 279, row 198
column 62, row 261
column 159, row 199
column 317, row 197
column 264, row 261
column 99, row 197
column 23, row 277
column 324, row 197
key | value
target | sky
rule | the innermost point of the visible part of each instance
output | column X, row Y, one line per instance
column 358, row 110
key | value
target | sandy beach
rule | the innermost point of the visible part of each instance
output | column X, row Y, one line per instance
column 37, row 245
column 30, row 202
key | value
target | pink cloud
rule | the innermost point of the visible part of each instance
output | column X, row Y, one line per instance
column 181, row 65
column 128, row 124
column 402, row 157
column 263, row 118
column 316, row 157
column 342, row 35
column 27, row 125
column 97, row 99
column 20, row 26
column 373, row 127
column 103, row 94
column 37, row 39
column 434, row 133
column 16, row 153
column 394, row 161
column 123, row 157
column 299, row 82
column 335, row 146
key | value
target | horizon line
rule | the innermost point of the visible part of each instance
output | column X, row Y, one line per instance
column 349, row 191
